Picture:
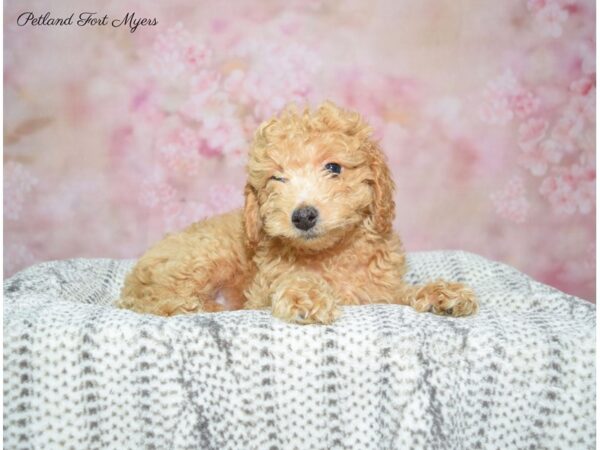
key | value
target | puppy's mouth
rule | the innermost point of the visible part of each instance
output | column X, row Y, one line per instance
column 309, row 235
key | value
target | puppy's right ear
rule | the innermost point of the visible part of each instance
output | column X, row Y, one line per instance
column 252, row 222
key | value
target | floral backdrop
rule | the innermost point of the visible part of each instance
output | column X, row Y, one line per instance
column 486, row 111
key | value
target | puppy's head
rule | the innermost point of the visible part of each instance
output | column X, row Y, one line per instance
column 312, row 177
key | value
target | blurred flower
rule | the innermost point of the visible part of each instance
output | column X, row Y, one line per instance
column 68, row 199
column 583, row 85
column 222, row 132
column 496, row 110
column 566, row 131
column 224, row 198
column 581, row 268
column 550, row 19
column 380, row 98
column 156, row 193
column 587, row 53
column 524, row 103
column 510, row 202
column 18, row 183
column 505, row 84
column 538, row 157
column 447, row 111
column 536, row 5
column 203, row 86
column 504, row 98
column 180, row 151
column 582, row 107
column 175, row 52
column 277, row 73
column 183, row 214
column 531, row 132
column 571, row 189
column 219, row 199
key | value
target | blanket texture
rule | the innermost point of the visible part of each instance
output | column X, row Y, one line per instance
column 81, row 374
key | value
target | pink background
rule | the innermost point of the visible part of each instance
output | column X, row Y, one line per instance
column 486, row 111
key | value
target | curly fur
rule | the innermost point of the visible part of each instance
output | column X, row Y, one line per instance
column 256, row 258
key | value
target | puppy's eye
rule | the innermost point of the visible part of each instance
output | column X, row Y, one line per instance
column 333, row 168
column 276, row 178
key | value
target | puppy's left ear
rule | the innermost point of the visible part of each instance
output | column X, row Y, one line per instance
column 383, row 208
column 252, row 221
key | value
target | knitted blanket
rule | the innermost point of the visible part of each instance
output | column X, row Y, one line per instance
column 81, row 374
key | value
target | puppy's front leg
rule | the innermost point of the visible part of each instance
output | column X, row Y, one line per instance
column 304, row 298
column 442, row 297
column 296, row 296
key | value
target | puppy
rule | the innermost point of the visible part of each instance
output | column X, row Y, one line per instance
column 315, row 233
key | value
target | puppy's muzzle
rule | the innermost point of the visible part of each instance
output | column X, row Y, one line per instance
column 305, row 218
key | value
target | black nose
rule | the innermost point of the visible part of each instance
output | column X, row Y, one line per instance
column 305, row 218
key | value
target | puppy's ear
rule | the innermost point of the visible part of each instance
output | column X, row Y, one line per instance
column 383, row 207
column 252, row 222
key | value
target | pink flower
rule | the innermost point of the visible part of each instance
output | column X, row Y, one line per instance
column 197, row 55
column 580, row 106
column 583, row 85
column 175, row 52
column 585, row 193
column 585, row 197
column 505, row 84
column 496, row 110
column 180, row 151
column 221, row 130
column 571, row 189
column 558, row 192
column 224, row 198
column 582, row 268
column 550, row 19
column 227, row 137
column 204, row 84
column 222, row 133
column 234, row 85
column 504, row 98
column 156, row 194
column 510, row 202
column 535, row 5
column 567, row 130
column 590, row 105
column 376, row 95
column 552, row 150
column 537, row 158
column 183, row 214
column 532, row 132
column 18, row 183
column 219, row 199
column 277, row 73
column 587, row 53
column 64, row 201
column 524, row 103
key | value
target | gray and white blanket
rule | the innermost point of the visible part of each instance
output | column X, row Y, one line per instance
column 81, row 374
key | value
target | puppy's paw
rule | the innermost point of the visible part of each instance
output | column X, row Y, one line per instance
column 305, row 302
column 449, row 299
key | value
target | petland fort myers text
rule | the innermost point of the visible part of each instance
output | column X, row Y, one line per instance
column 85, row 19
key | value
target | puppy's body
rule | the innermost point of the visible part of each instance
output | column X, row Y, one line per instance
column 315, row 233
column 207, row 267
column 192, row 270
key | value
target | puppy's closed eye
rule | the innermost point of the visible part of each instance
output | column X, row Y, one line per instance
column 280, row 179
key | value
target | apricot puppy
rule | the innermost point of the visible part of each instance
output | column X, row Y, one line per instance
column 315, row 233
